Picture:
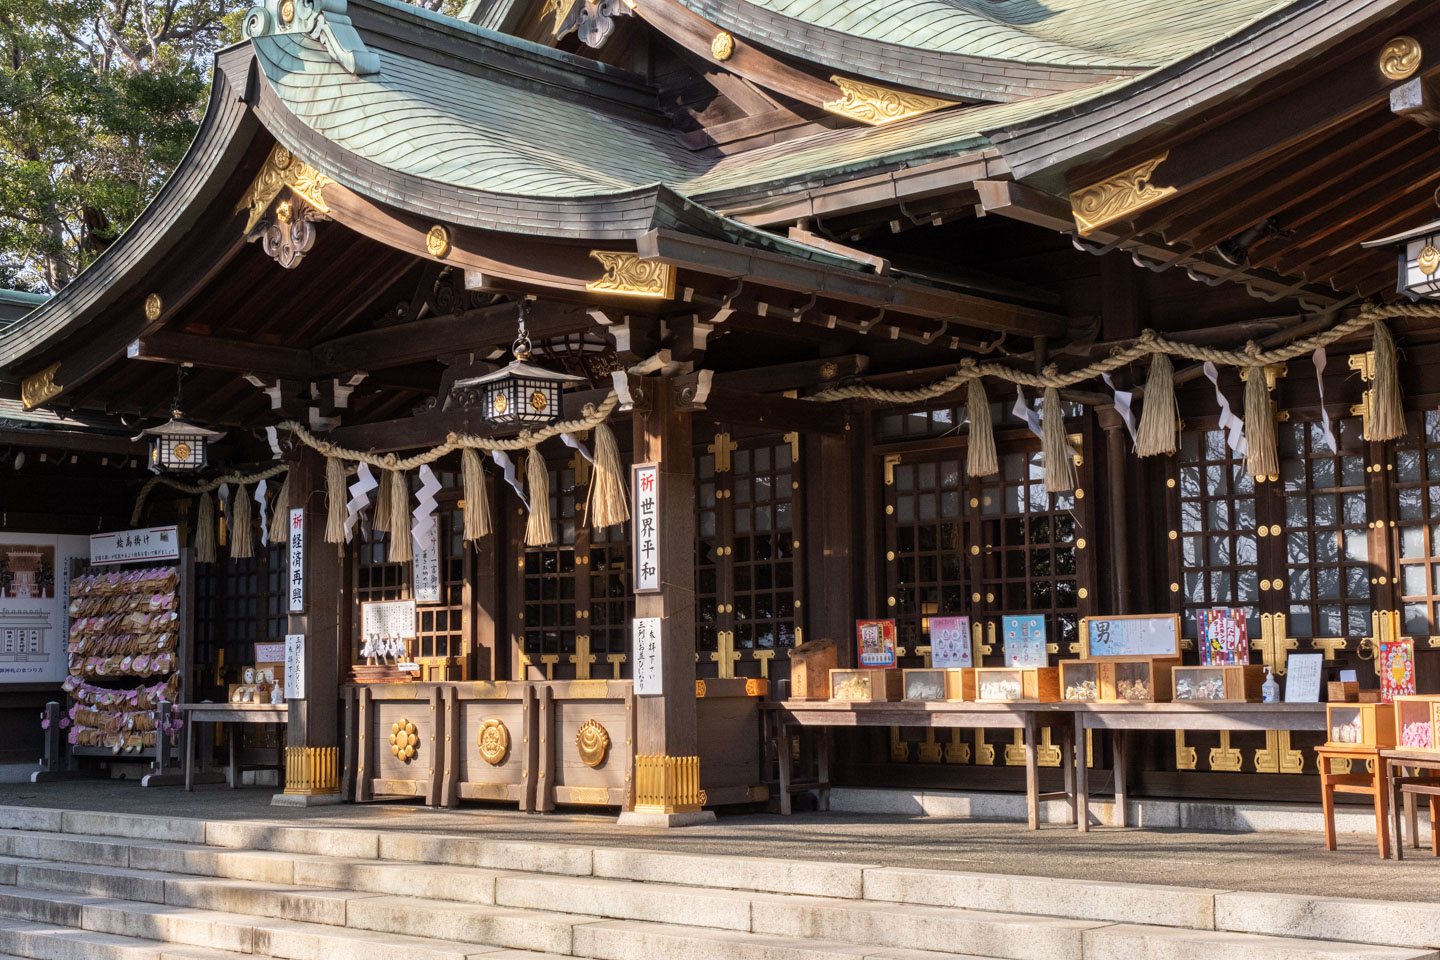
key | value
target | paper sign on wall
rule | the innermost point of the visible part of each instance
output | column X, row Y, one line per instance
column 295, row 666
column 645, row 522
column 388, row 618
column 950, row 642
column 426, row 565
column 649, row 680
column 270, row 652
column 135, row 546
column 297, row 560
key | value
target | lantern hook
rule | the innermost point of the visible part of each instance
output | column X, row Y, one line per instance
column 521, row 347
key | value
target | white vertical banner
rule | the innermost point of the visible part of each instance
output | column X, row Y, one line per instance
column 297, row 560
column 425, row 532
column 649, row 680
column 645, row 526
column 294, row 666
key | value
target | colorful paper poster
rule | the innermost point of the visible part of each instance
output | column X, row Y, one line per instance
column 1223, row 636
column 1025, row 641
column 876, row 640
column 1397, row 668
column 950, row 642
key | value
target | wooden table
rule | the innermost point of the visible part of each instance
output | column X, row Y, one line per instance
column 1029, row 717
column 1402, row 791
column 230, row 714
column 1121, row 718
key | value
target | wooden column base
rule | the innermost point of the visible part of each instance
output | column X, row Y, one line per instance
column 668, row 785
column 312, row 771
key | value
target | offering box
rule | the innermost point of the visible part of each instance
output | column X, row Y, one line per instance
column 934, row 683
column 1360, row 725
column 866, row 685
column 1017, row 684
column 1415, row 723
column 1080, row 680
column 810, row 666
column 1137, row 680
column 1231, row 683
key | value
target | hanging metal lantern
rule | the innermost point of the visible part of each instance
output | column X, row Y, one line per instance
column 1419, row 252
column 518, row 394
column 177, row 445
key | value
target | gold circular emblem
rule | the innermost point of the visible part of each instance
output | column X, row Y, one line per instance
column 287, row 10
column 1400, row 58
column 494, row 742
column 437, row 241
column 182, row 451
column 538, row 402
column 828, row 370
column 153, row 306
column 498, row 404
column 1082, row 593
column 1429, row 259
column 593, row 743
column 722, row 46
column 403, row 740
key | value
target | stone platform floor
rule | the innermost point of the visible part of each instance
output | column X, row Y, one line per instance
column 1276, row 862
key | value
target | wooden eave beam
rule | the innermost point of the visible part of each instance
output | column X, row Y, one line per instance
column 793, row 376
column 774, row 412
column 169, row 346
column 430, row 429
column 71, row 441
column 717, row 258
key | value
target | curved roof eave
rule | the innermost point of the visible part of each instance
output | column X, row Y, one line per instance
column 225, row 131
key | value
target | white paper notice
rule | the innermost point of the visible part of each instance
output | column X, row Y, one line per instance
column 648, row 678
column 295, row 666
column 297, row 560
column 1302, row 677
column 135, row 546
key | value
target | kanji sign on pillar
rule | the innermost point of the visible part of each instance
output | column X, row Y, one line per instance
column 648, row 677
column 297, row 560
column 645, row 524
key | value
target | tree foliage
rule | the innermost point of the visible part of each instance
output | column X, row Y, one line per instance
column 98, row 101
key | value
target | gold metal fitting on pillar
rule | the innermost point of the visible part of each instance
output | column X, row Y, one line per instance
column 668, row 784
column 312, row 771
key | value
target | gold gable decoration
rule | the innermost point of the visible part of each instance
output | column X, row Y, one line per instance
column 876, row 105
column 626, row 273
column 1117, row 197
column 40, row 387
column 283, row 169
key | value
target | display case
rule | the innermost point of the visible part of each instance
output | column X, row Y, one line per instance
column 1017, row 684
column 1360, row 724
column 1233, row 683
column 936, row 683
column 1137, row 679
column 1415, row 723
column 1080, row 680
column 866, row 684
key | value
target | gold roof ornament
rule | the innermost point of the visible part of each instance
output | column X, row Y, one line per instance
column 40, row 387
column 1118, row 197
column 283, row 169
column 153, row 307
column 876, row 105
column 626, row 273
column 723, row 46
column 437, row 241
column 1400, row 58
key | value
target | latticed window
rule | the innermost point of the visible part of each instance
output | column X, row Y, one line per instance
column 747, row 539
column 1417, row 518
column 441, row 628
column 550, row 578
column 929, row 538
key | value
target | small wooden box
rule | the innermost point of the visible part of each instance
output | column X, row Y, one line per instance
column 1360, row 725
column 868, row 684
column 1415, row 723
column 810, row 666
column 1228, row 683
column 1017, row 684
column 1137, row 679
column 936, row 683
column 1342, row 691
column 1080, row 680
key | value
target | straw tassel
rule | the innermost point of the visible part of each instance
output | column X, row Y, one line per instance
column 980, row 459
column 1387, row 416
column 607, row 505
column 537, row 487
column 242, row 538
column 400, row 550
column 382, row 501
column 280, row 513
column 335, row 495
column 477, row 498
column 205, row 530
column 1055, row 447
column 1159, row 418
column 1262, row 454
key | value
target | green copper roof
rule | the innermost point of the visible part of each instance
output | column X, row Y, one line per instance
column 1124, row 34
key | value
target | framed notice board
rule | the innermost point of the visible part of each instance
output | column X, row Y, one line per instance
column 1130, row 635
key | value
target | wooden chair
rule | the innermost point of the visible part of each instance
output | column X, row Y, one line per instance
column 1371, row 784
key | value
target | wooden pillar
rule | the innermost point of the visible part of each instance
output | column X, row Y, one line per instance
column 666, row 740
column 1119, row 506
column 312, row 764
column 832, row 572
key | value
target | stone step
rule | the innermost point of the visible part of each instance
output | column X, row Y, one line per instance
column 1129, row 942
column 42, row 941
